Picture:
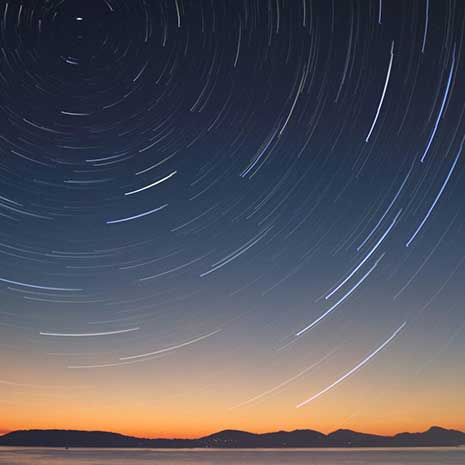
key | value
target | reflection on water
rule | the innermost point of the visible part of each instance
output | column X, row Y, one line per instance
column 426, row 456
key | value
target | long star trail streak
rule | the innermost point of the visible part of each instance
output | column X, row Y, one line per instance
column 441, row 109
column 136, row 217
column 366, row 258
column 341, row 300
column 425, row 32
column 438, row 196
column 388, row 209
column 156, row 183
column 386, row 83
column 113, row 364
column 171, row 348
column 36, row 286
column 171, row 167
column 284, row 383
column 357, row 367
column 236, row 254
column 105, row 333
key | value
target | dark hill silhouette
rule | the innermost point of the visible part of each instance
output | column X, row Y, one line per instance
column 349, row 438
column 235, row 439
column 70, row 438
column 296, row 438
column 435, row 436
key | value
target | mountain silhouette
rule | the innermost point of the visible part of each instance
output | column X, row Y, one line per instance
column 349, row 438
column 435, row 436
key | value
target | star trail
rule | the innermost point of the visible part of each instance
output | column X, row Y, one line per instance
column 206, row 204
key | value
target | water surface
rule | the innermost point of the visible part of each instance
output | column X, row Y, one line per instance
column 404, row 456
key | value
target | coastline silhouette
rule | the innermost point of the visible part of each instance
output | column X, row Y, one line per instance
column 231, row 439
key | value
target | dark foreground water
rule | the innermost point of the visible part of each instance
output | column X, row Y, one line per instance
column 426, row 456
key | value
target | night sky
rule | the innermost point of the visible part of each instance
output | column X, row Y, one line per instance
column 232, row 214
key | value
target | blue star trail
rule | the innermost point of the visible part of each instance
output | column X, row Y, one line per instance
column 172, row 167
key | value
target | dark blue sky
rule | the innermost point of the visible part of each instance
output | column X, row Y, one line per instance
column 232, row 203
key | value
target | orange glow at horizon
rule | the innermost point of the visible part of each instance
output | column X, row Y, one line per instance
column 207, row 413
column 200, row 391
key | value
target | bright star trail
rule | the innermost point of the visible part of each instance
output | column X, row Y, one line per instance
column 215, row 204
column 360, row 365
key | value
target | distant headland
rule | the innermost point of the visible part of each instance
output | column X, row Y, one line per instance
column 234, row 439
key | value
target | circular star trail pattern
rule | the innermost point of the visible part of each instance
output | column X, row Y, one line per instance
column 204, row 175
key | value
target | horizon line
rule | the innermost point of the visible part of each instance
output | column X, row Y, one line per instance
column 2, row 434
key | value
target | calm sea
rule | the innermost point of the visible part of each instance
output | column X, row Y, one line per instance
column 418, row 456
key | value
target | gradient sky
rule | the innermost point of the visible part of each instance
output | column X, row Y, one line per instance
column 215, row 211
